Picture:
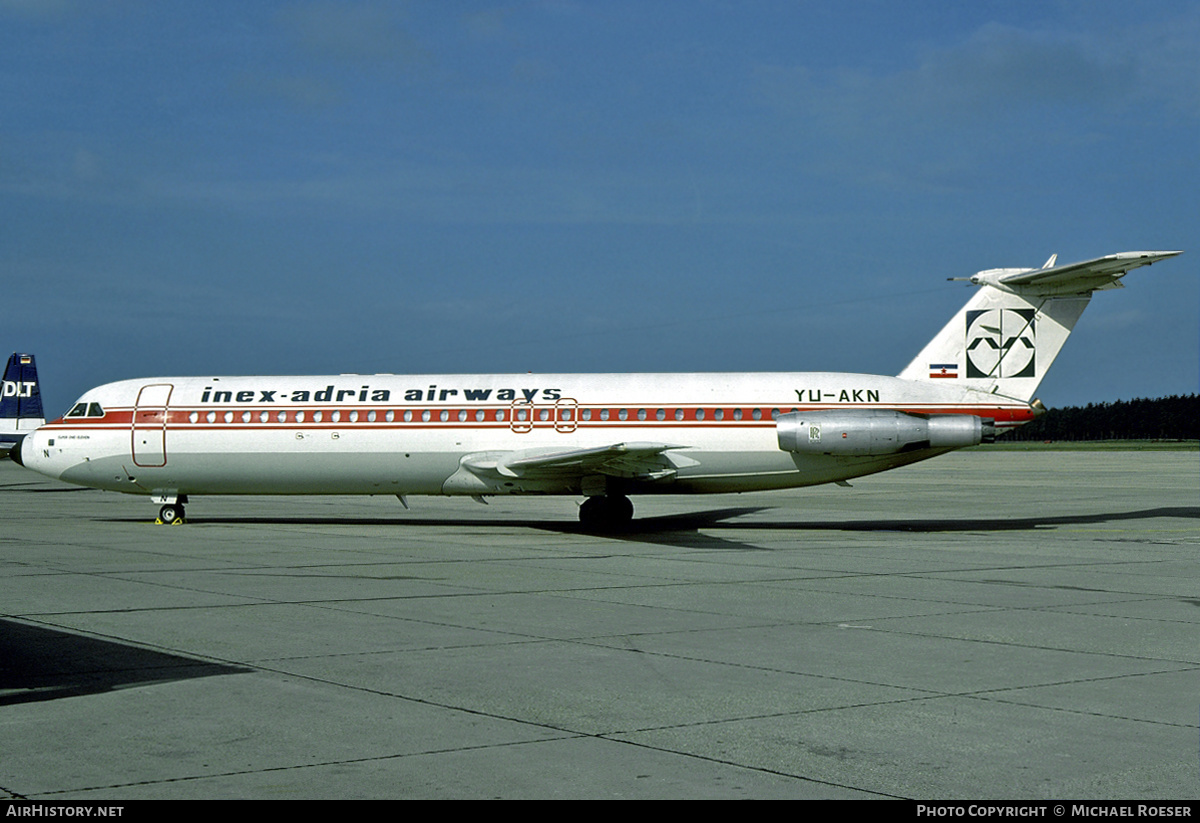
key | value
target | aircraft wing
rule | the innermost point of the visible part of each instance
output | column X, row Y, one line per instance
column 633, row 460
column 1086, row 277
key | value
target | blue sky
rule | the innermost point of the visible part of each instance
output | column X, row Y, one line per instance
column 609, row 186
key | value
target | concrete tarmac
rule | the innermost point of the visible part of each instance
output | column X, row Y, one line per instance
column 987, row 625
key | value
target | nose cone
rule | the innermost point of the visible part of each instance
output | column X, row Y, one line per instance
column 15, row 452
column 29, row 453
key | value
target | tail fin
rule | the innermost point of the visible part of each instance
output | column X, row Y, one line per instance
column 20, row 401
column 1005, row 338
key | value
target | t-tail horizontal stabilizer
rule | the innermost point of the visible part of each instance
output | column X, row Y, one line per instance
column 1005, row 338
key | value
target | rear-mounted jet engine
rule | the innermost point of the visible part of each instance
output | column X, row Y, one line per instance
column 863, row 432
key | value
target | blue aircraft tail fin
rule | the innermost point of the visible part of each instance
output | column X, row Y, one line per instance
column 20, row 401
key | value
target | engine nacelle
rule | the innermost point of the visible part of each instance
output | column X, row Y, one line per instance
column 878, row 431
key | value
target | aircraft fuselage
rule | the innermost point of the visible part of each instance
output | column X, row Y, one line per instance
column 409, row 435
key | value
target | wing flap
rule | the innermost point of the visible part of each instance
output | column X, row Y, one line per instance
column 641, row 460
column 619, row 459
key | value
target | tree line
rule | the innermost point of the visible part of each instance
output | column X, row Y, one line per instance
column 1167, row 418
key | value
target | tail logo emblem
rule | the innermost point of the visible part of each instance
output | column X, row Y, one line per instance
column 13, row 388
column 1000, row 343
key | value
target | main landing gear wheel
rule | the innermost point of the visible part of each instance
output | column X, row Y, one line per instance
column 171, row 514
column 606, row 511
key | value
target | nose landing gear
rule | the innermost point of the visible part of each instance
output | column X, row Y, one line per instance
column 171, row 513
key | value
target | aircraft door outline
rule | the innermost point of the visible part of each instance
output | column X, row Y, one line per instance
column 520, row 417
column 566, row 413
column 563, row 416
column 148, row 433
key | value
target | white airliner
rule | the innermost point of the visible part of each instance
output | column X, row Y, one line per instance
column 600, row 436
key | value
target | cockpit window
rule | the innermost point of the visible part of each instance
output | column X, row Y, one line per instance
column 86, row 410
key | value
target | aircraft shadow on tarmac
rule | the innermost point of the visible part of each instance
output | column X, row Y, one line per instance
column 720, row 528
column 975, row 524
column 685, row 528
column 38, row 663
column 676, row 529
column 39, row 488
